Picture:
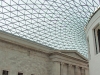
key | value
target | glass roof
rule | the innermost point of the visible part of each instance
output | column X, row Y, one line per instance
column 55, row 23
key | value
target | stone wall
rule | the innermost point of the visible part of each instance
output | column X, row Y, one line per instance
column 93, row 43
column 14, row 59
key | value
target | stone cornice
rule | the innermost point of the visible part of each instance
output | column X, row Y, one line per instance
column 91, row 19
column 58, row 57
column 74, row 51
column 67, row 56
column 24, row 42
column 94, row 14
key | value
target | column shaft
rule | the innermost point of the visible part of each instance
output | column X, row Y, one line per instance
column 83, row 71
column 69, row 69
column 86, row 71
column 55, row 68
column 76, row 70
column 62, row 67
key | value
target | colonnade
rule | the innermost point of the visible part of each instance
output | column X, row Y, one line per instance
column 68, row 69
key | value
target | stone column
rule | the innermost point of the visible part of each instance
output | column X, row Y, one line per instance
column 86, row 71
column 69, row 69
column 73, row 70
column 62, row 67
column 76, row 70
column 65, row 68
column 83, row 71
column 55, row 68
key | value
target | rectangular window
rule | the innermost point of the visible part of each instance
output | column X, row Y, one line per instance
column 5, row 72
column 97, row 39
column 20, row 73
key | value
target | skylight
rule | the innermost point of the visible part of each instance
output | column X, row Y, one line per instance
column 55, row 23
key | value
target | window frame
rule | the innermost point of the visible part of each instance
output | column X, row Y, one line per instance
column 5, row 71
column 97, row 43
column 20, row 73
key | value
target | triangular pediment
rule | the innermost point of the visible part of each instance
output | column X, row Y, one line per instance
column 74, row 53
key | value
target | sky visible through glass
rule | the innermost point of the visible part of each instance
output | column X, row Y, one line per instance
column 55, row 23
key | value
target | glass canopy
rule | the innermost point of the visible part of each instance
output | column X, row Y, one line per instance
column 55, row 23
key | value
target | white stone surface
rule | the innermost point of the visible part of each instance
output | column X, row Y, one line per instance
column 94, row 59
column 17, row 59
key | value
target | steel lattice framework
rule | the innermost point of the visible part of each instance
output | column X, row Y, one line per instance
column 54, row 23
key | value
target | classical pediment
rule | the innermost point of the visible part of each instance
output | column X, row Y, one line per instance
column 73, row 53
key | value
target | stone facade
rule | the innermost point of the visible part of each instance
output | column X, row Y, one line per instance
column 27, row 57
column 93, row 42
